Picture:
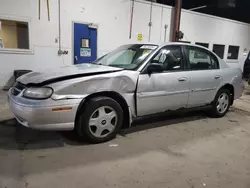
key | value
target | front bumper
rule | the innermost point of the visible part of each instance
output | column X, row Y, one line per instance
column 38, row 114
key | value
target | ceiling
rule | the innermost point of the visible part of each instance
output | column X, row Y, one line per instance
column 232, row 9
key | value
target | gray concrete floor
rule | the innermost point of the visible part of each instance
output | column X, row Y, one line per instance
column 243, row 103
column 183, row 151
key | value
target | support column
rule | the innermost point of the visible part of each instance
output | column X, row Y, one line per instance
column 176, row 21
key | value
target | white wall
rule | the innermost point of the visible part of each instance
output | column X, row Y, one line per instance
column 213, row 30
column 113, row 19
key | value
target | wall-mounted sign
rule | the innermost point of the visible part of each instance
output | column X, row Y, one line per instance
column 139, row 37
column 1, row 43
column 85, row 52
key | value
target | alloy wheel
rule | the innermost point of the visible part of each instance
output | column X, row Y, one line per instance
column 222, row 103
column 103, row 121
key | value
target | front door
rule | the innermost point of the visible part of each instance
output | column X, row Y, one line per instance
column 85, row 43
column 167, row 90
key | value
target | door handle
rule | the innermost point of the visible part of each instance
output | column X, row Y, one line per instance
column 76, row 58
column 183, row 79
column 217, row 77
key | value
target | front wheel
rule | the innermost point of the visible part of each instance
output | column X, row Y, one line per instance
column 100, row 120
column 221, row 103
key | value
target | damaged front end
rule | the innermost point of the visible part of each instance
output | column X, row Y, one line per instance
column 120, row 82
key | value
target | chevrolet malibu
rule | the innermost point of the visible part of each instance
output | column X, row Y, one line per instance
column 136, row 80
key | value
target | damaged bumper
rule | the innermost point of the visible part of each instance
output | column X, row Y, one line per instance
column 46, row 114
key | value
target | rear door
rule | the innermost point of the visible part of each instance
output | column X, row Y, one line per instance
column 205, row 76
column 166, row 90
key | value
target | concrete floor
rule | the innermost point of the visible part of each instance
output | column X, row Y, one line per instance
column 183, row 151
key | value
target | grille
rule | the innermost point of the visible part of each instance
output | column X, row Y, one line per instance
column 17, row 88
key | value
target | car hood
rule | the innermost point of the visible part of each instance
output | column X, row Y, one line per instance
column 65, row 73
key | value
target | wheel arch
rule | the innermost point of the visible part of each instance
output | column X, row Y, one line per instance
column 230, row 87
column 115, row 96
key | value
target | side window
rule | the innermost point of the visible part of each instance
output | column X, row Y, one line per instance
column 215, row 62
column 170, row 57
column 200, row 59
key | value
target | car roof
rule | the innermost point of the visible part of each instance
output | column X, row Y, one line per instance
column 183, row 44
column 160, row 45
column 172, row 43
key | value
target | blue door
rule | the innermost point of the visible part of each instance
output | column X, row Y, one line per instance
column 85, row 43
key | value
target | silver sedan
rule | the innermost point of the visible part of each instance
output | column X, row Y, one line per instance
column 136, row 80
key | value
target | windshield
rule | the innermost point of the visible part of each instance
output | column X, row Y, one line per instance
column 127, row 57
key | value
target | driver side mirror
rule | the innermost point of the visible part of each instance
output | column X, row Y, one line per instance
column 154, row 68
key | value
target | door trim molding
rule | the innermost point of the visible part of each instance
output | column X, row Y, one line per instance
column 205, row 89
column 91, row 25
column 160, row 93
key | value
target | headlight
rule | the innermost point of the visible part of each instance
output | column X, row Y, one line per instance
column 38, row 93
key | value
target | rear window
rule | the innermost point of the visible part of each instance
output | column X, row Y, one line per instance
column 200, row 59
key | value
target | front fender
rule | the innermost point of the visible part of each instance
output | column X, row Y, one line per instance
column 120, row 82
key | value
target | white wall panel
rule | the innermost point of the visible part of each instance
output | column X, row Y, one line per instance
column 141, row 20
column 156, row 24
column 111, row 16
column 113, row 19
column 205, row 28
column 15, row 8
column 166, row 20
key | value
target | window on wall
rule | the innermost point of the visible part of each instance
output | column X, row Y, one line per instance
column 206, row 45
column 85, row 43
column 14, row 34
column 219, row 50
column 233, row 52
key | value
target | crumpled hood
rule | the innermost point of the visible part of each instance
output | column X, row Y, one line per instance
column 64, row 73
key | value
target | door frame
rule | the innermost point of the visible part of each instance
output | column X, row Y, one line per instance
column 92, row 25
column 162, row 94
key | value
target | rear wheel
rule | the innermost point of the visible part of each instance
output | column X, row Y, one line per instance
column 100, row 120
column 221, row 103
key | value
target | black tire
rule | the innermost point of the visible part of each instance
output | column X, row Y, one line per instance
column 214, row 111
column 82, row 124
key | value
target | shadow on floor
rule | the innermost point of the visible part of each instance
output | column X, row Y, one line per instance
column 164, row 119
column 247, row 92
column 9, row 83
column 14, row 136
column 181, row 128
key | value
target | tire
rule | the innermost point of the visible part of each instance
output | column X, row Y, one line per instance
column 99, row 120
column 219, row 106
